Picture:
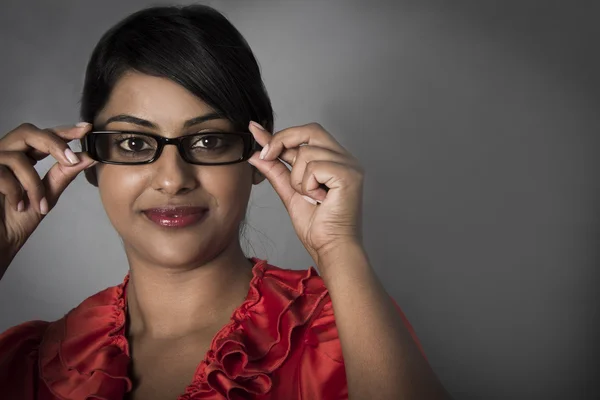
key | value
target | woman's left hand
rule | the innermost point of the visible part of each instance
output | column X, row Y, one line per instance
column 321, row 171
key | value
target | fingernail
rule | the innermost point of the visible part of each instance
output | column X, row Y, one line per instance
column 257, row 125
column 21, row 206
column 310, row 200
column 44, row 206
column 71, row 156
column 264, row 152
column 251, row 162
column 82, row 124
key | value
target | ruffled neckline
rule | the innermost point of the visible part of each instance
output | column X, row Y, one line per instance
column 85, row 355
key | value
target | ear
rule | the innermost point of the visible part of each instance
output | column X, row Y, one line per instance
column 264, row 123
column 257, row 176
column 91, row 176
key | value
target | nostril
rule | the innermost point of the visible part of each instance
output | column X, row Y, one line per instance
column 183, row 191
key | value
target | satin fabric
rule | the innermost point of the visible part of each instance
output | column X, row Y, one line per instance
column 281, row 343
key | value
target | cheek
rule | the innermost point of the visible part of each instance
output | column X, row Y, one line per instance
column 119, row 187
column 230, row 188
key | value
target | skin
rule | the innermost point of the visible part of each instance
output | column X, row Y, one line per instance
column 390, row 367
column 185, row 283
column 192, row 266
column 25, row 197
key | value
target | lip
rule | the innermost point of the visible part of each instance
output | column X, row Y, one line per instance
column 176, row 217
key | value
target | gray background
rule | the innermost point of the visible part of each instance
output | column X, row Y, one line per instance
column 477, row 125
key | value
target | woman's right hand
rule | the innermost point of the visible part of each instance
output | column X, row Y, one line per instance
column 25, row 197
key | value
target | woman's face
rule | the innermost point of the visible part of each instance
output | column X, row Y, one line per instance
column 205, row 203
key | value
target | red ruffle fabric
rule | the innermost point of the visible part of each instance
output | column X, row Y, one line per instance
column 86, row 356
column 281, row 343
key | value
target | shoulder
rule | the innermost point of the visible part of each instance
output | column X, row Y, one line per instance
column 19, row 347
column 21, row 339
column 310, row 302
column 298, row 294
column 284, row 299
column 307, row 282
column 307, row 296
column 315, row 358
column 30, row 334
column 23, row 348
column 313, row 365
column 292, row 282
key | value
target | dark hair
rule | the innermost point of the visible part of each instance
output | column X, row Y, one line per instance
column 194, row 46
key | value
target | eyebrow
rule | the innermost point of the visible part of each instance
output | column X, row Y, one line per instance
column 130, row 119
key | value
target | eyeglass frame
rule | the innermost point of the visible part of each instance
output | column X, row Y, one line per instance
column 88, row 145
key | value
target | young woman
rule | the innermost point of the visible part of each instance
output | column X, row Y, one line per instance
column 175, row 114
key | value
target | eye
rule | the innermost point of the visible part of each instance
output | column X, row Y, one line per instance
column 209, row 142
column 134, row 144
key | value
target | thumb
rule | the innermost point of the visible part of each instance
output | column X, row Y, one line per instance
column 278, row 174
column 60, row 176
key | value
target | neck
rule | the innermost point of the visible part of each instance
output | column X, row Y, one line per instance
column 168, row 302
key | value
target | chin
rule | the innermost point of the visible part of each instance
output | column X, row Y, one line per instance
column 179, row 248
column 177, row 256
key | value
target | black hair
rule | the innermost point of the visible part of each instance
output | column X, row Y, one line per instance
column 194, row 46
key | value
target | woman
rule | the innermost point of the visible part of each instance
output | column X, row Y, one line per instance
column 175, row 110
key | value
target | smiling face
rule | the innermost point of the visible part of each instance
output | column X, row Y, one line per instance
column 139, row 199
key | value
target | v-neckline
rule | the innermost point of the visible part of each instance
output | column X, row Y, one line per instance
column 199, row 376
column 85, row 354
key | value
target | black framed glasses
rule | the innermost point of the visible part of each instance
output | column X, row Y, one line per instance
column 203, row 148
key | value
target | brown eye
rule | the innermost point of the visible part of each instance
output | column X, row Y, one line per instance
column 209, row 142
column 134, row 144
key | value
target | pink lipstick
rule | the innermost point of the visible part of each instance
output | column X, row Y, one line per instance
column 176, row 217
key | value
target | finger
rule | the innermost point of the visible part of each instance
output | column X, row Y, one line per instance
column 331, row 174
column 44, row 142
column 66, row 134
column 19, row 165
column 263, row 137
column 11, row 188
column 38, row 143
column 291, row 138
column 278, row 175
column 60, row 176
column 306, row 155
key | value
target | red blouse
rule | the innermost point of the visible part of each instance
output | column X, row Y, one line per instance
column 281, row 343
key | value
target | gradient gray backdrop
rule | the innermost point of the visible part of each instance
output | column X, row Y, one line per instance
column 477, row 123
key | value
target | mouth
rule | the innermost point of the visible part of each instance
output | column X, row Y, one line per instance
column 176, row 217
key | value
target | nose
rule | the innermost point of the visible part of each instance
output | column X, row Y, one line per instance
column 172, row 175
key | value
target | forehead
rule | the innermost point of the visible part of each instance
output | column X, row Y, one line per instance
column 153, row 98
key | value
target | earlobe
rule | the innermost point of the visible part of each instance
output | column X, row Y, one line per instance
column 264, row 123
column 257, row 176
column 91, row 176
